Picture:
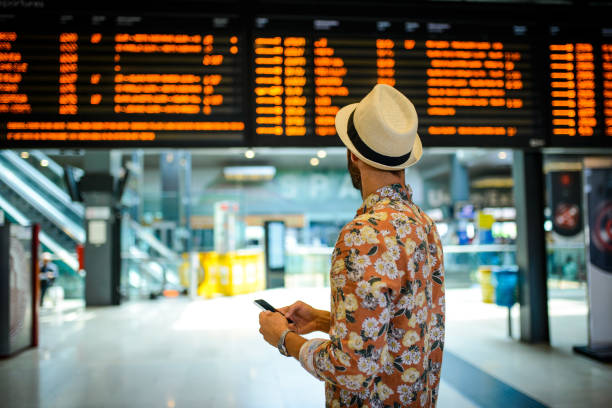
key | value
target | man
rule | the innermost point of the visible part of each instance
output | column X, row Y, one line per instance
column 48, row 273
column 386, row 325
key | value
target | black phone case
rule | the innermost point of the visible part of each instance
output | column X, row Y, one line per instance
column 265, row 305
column 269, row 307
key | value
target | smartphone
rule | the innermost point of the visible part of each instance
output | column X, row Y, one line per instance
column 266, row 306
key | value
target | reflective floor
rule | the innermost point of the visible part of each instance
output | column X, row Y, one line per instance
column 178, row 353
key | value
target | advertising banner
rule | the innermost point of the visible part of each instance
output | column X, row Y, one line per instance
column 225, row 219
column 566, row 202
column 15, row 289
column 598, row 189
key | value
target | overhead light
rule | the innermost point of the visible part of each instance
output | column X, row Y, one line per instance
column 322, row 154
column 44, row 163
column 502, row 155
column 249, row 154
column 25, row 155
column 249, row 173
column 314, row 161
column 548, row 225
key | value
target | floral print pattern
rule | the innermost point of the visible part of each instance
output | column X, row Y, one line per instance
column 387, row 301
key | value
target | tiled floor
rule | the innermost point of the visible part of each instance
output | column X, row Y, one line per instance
column 177, row 353
column 553, row 374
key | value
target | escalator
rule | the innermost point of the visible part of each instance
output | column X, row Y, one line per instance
column 32, row 191
column 148, row 266
column 41, row 200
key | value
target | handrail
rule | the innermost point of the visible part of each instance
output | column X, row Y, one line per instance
column 59, row 251
column 152, row 240
column 74, row 231
column 463, row 249
column 65, row 224
column 45, row 239
column 53, row 166
column 565, row 245
column 13, row 212
column 43, row 181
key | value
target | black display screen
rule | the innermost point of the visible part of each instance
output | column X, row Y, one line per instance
column 264, row 81
column 467, row 92
column 130, row 85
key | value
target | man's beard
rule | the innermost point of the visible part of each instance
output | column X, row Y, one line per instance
column 354, row 172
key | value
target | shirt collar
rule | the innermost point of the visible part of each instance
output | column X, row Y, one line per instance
column 393, row 192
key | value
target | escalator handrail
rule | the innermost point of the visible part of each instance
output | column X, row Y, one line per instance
column 46, row 184
column 152, row 240
column 69, row 227
column 45, row 239
column 14, row 213
column 59, row 251
column 53, row 166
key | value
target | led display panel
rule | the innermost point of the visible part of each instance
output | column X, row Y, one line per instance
column 127, row 85
column 606, row 51
column 572, row 74
column 579, row 66
column 243, row 80
column 467, row 91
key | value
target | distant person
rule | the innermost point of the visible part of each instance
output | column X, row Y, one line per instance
column 570, row 269
column 387, row 277
column 48, row 273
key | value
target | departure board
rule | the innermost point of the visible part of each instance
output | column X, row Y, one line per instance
column 579, row 66
column 246, row 80
column 126, row 87
column 572, row 73
column 283, row 94
column 468, row 89
column 606, row 52
column 461, row 89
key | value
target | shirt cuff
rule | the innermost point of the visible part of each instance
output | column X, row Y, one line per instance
column 307, row 352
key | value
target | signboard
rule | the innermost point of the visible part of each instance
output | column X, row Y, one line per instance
column 275, row 253
column 580, row 79
column 225, row 219
column 248, row 80
column 598, row 188
column 566, row 202
column 465, row 91
column 124, row 84
column 16, row 288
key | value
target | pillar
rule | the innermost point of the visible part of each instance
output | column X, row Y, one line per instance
column 531, row 246
column 102, row 226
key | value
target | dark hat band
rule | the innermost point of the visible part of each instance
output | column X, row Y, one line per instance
column 368, row 153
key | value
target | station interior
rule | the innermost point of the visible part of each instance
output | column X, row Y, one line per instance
column 175, row 162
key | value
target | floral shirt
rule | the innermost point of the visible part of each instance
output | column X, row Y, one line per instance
column 387, row 308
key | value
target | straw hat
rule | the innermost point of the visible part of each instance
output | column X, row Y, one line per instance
column 381, row 129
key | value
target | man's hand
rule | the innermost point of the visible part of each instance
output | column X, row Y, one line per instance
column 272, row 325
column 306, row 318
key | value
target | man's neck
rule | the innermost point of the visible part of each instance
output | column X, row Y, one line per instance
column 372, row 180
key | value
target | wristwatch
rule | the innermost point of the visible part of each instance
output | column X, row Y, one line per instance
column 281, row 344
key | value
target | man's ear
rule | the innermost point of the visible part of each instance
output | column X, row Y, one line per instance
column 354, row 157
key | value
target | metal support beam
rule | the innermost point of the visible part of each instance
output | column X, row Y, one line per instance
column 102, row 223
column 531, row 246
